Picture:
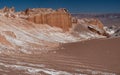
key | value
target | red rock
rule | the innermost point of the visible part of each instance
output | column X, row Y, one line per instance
column 60, row 18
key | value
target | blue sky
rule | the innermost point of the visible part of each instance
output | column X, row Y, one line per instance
column 74, row 6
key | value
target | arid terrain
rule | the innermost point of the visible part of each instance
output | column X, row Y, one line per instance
column 43, row 41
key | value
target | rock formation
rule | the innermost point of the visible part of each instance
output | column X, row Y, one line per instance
column 93, row 25
column 8, row 12
column 59, row 18
column 96, row 22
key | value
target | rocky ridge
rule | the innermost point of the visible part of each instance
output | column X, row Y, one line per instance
column 43, row 29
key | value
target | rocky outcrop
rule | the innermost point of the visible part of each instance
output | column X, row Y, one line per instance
column 59, row 18
column 93, row 25
column 91, row 22
column 55, row 18
column 95, row 22
column 8, row 12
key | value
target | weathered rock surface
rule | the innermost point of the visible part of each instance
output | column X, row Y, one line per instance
column 95, row 22
column 93, row 25
column 59, row 18
column 8, row 12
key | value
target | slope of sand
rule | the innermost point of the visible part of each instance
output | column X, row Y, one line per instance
column 104, row 53
column 92, row 57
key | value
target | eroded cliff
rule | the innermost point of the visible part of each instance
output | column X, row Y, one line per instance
column 59, row 18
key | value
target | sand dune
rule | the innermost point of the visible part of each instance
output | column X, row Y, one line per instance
column 103, row 52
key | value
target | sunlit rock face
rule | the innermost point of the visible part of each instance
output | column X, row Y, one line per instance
column 59, row 18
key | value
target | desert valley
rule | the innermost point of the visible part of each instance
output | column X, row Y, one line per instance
column 43, row 41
